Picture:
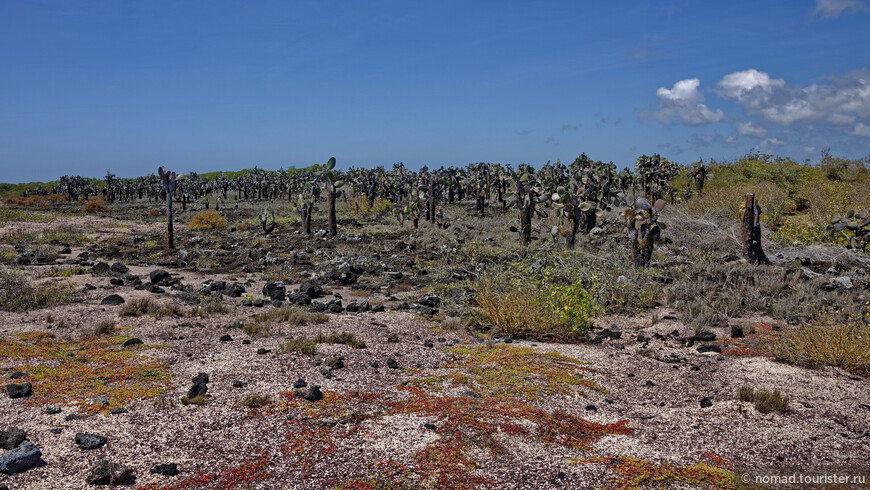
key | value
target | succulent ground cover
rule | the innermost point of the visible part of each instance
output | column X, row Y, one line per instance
column 93, row 374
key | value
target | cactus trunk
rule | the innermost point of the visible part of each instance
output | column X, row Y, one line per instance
column 332, row 226
column 170, row 236
column 750, row 216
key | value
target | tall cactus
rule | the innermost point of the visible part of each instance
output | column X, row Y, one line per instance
column 526, row 196
column 641, row 223
column 332, row 184
column 169, row 181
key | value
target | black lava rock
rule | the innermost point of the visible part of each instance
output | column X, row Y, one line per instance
column 19, row 391
column 12, row 438
column 300, row 383
column 238, row 384
column 226, row 338
column 112, row 299
column 736, row 331
column 132, row 342
column 312, row 394
column 168, row 469
column 703, row 337
column 86, row 441
column 706, row 402
column 311, row 288
column 392, row 363
column 158, row 276
column 709, row 348
column 22, row 458
column 274, row 290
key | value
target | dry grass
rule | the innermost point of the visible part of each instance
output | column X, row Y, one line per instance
column 291, row 316
column 197, row 400
column 764, row 401
column 18, row 293
column 208, row 308
column 106, row 327
column 301, row 345
column 95, row 205
column 830, row 339
column 142, row 306
column 207, row 220
column 254, row 401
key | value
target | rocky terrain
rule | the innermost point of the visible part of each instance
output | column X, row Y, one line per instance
column 294, row 361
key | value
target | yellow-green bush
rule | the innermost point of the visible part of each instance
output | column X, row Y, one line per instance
column 532, row 309
column 207, row 220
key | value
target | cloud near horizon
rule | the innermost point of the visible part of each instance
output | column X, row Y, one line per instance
column 684, row 102
column 831, row 9
column 770, row 112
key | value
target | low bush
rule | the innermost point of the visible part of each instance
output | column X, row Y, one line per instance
column 301, row 345
column 95, row 205
column 526, row 309
column 830, row 338
column 106, row 327
column 207, row 220
column 143, row 306
column 18, row 293
column 291, row 316
column 254, row 401
column 764, row 401
column 197, row 400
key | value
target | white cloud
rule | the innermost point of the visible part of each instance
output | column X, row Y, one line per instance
column 831, row 9
column 862, row 130
column 768, row 142
column 749, row 86
column 841, row 102
column 749, row 128
column 686, row 103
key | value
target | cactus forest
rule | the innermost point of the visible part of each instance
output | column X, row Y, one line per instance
column 578, row 324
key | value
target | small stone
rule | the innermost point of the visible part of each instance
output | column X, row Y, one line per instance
column 393, row 337
column 325, row 372
column 649, row 383
column 709, row 348
column 262, row 351
column 168, row 469
column 392, row 363
column 246, row 342
column 107, row 473
column 76, row 416
column 118, row 411
column 113, row 299
column 430, row 426
column 87, row 442
column 300, row 383
column 312, row 394
column 158, row 276
column 374, row 364
column 428, row 344
column 591, row 408
column 736, row 331
column 55, row 430
column 706, row 402
column 52, row 409
column 132, row 342
column 226, row 338
column 238, row 384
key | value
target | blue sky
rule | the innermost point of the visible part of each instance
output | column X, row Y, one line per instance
column 88, row 86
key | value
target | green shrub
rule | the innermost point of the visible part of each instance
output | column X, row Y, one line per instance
column 105, row 327
column 830, row 338
column 527, row 309
column 764, row 401
column 197, row 400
